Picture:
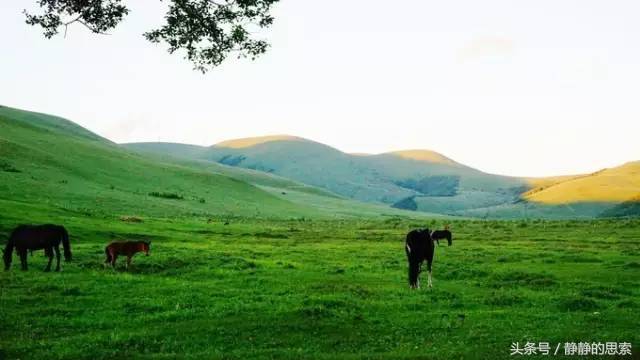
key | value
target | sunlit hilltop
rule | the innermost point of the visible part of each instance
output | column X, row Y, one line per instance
column 424, row 155
column 253, row 141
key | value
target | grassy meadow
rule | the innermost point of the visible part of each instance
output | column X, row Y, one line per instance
column 321, row 289
column 297, row 273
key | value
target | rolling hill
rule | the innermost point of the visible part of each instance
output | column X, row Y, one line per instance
column 384, row 178
column 615, row 185
column 49, row 162
column 52, row 164
column 422, row 180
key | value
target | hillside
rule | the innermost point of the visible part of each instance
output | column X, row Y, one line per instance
column 384, row 178
column 51, row 163
column 613, row 185
column 422, row 180
column 427, row 156
column 253, row 141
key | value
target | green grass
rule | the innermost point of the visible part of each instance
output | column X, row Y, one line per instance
column 48, row 161
column 321, row 289
column 297, row 273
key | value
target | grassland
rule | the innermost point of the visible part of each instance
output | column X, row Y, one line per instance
column 298, row 273
column 321, row 290
column 614, row 185
column 372, row 178
column 51, row 162
column 383, row 178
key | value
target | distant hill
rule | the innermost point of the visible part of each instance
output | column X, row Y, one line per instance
column 253, row 141
column 51, row 163
column 386, row 178
column 629, row 208
column 615, row 185
column 427, row 156
column 421, row 180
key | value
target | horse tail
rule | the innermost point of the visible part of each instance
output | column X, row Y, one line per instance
column 414, row 271
column 108, row 253
column 65, row 244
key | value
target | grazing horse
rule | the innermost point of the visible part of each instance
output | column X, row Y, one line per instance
column 419, row 247
column 36, row 237
column 128, row 248
column 442, row 234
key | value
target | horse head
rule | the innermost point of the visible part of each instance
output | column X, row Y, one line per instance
column 145, row 247
column 448, row 234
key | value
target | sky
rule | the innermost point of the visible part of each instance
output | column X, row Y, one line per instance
column 523, row 88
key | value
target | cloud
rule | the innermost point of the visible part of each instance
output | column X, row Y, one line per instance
column 483, row 47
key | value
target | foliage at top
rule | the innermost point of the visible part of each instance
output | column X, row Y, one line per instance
column 207, row 31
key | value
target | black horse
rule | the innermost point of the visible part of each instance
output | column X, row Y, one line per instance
column 419, row 247
column 36, row 237
column 442, row 234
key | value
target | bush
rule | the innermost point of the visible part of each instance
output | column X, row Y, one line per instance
column 432, row 185
column 166, row 195
column 131, row 219
column 503, row 299
column 579, row 303
column 232, row 160
column 4, row 166
column 406, row 204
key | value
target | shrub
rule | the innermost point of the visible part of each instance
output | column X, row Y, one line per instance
column 166, row 195
column 578, row 303
column 131, row 219
column 232, row 160
column 605, row 292
column 408, row 203
column 503, row 299
column 432, row 185
column 4, row 166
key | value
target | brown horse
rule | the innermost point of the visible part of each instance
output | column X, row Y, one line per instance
column 128, row 248
column 35, row 237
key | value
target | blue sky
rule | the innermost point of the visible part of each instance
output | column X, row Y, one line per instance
column 529, row 88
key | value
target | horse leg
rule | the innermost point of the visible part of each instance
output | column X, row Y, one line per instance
column 23, row 259
column 429, row 269
column 114, row 257
column 49, row 253
column 57, row 250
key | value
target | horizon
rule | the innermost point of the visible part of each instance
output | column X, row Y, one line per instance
column 488, row 87
column 357, row 153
